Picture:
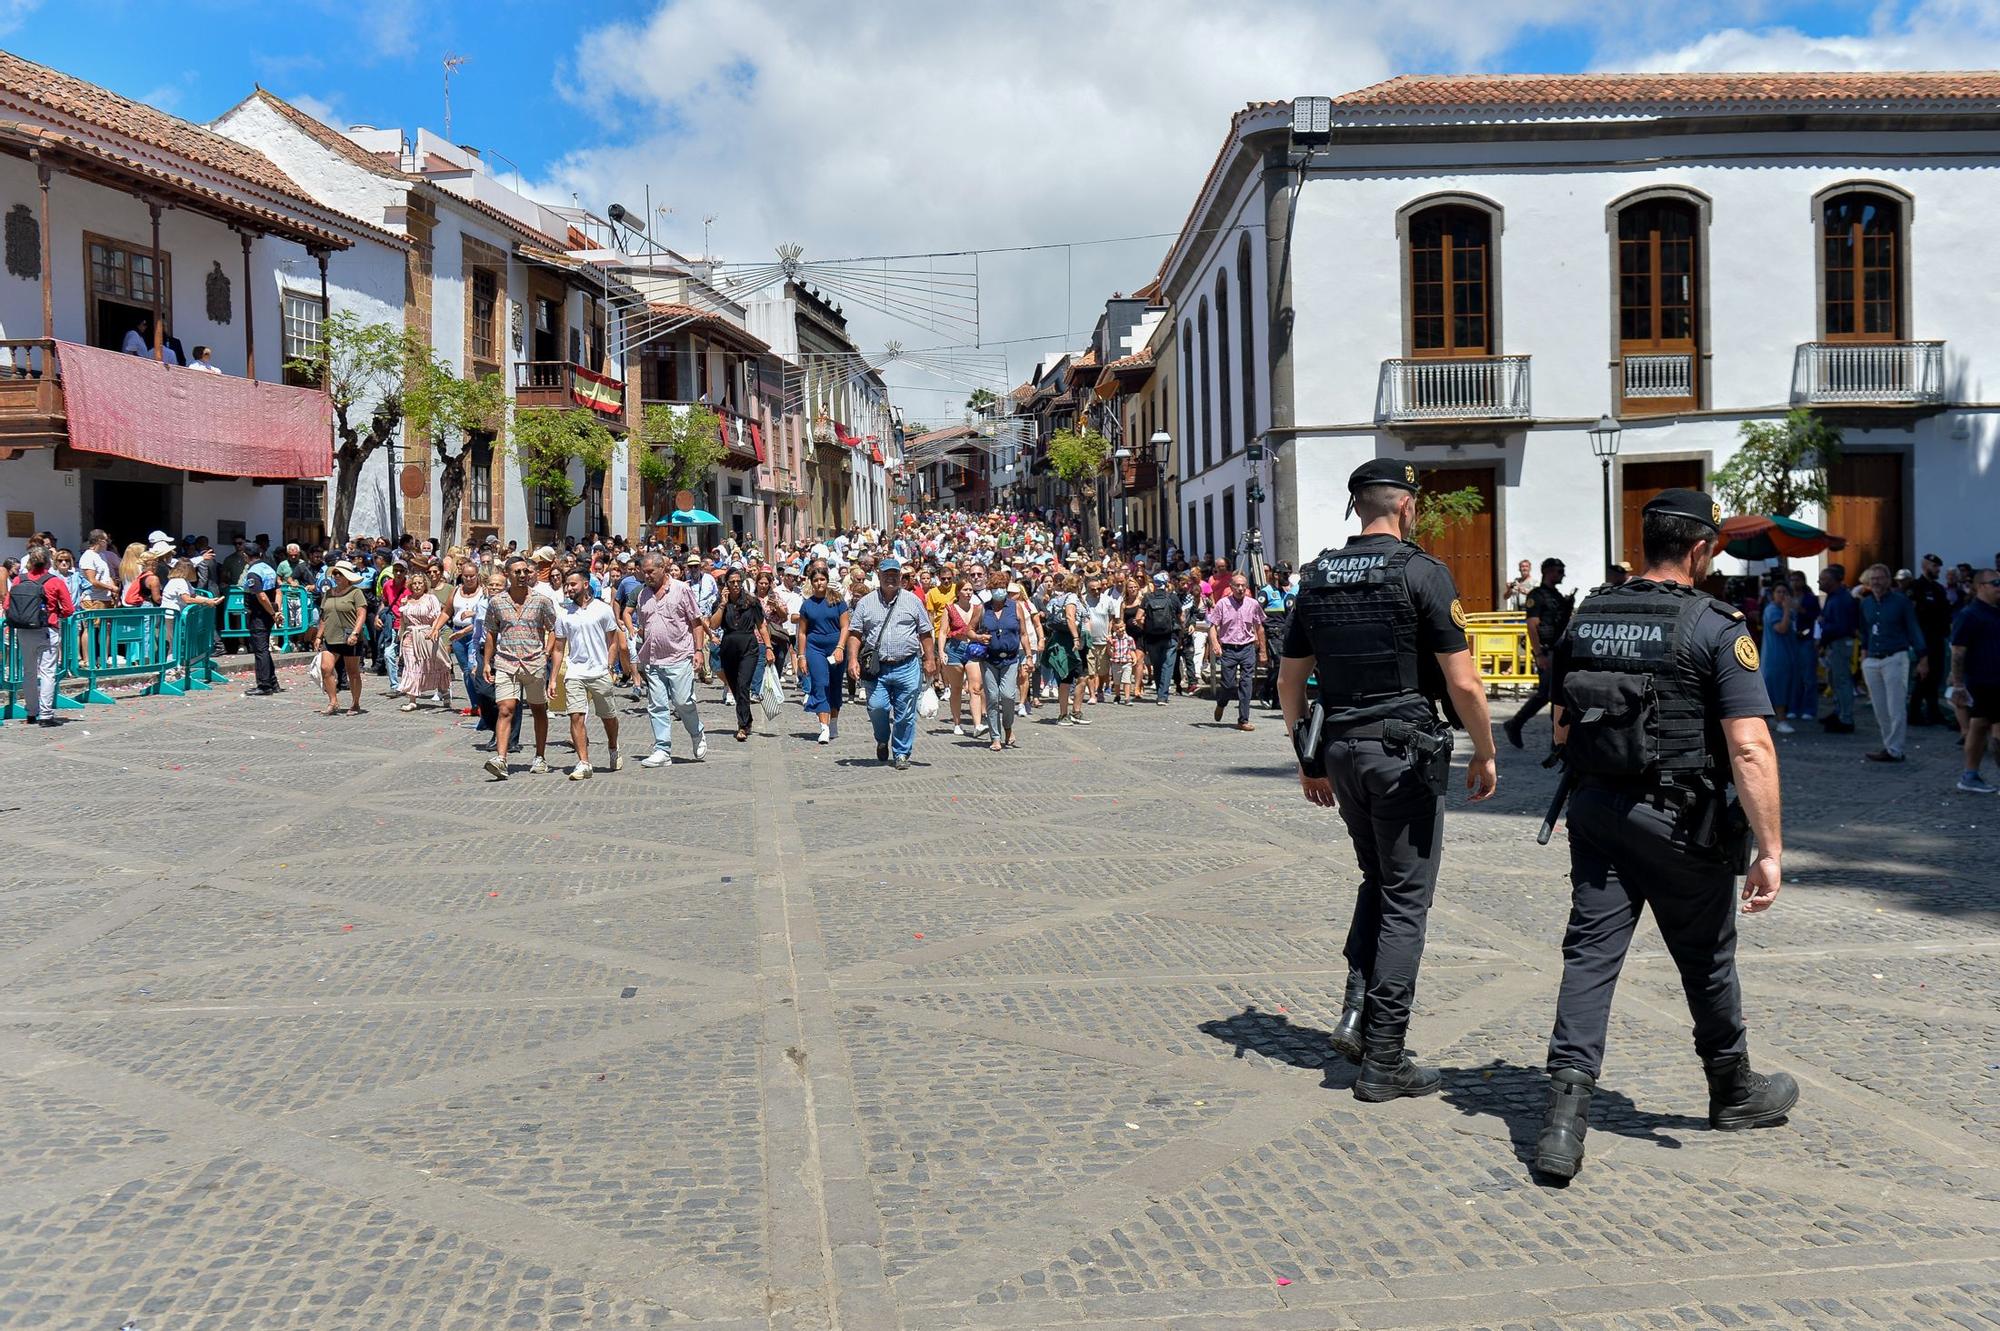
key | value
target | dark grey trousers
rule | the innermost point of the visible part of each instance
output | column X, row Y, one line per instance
column 1397, row 826
column 1620, row 861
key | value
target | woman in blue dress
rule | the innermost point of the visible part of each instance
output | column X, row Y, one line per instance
column 1780, row 660
column 822, row 621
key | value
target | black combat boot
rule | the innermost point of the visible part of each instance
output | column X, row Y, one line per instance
column 1559, row 1150
column 1346, row 1040
column 1739, row 1098
column 1390, row 1074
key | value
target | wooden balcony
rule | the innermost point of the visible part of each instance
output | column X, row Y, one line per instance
column 31, row 396
column 1455, row 391
column 559, row 384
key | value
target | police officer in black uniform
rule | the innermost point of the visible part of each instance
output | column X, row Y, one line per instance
column 1658, row 711
column 1378, row 625
column 1548, row 612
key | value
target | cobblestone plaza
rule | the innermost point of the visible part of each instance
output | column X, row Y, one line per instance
column 304, row 1024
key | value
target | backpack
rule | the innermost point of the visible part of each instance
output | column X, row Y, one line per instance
column 28, row 603
column 1163, row 614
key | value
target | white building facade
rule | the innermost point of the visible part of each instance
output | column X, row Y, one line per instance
column 1480, row 268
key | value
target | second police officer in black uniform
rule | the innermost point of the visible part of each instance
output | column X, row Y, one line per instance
column 1658, row 711
column 1378, row 625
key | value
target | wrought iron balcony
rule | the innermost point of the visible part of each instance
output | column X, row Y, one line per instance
column 1657, row 378
column 1869, row 374
column 1479, row 388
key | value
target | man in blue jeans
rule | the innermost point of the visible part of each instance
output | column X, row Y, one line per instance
column 1839, row 620
column 893, row 630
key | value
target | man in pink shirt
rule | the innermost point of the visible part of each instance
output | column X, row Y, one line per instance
column 1236, row 637
column 672, row 636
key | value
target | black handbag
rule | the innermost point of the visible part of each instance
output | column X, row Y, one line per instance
column 871, row 655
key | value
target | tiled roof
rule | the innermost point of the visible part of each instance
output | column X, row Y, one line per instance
column 332, row 139
column 26, row 85
column 694, row 314
column 1427, row 90
column 1138, row 360
column 949, row 432
column 1023, row 393
column 232, row 205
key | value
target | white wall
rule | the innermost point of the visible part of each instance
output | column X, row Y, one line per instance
column 1553, row 296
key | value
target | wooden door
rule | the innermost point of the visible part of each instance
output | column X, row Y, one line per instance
column 1867, row 509
column 1641, row 483
column 1467, row 547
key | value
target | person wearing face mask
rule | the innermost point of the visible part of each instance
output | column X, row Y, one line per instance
column 998, row 631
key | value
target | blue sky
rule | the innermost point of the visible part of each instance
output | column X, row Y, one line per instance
column 897, row 126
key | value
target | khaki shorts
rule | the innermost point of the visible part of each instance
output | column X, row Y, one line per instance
column 1100, row 660
column 591, row 694
column 520, row 686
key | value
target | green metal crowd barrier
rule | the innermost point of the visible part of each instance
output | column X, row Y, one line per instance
column 176, row 651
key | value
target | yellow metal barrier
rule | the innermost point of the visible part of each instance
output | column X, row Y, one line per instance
column 1500, row 648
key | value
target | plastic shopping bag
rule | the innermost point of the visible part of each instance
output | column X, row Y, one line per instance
column 927, row 703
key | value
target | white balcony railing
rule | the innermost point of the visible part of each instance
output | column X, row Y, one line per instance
column 1665, row 375
column 1484, row 388
column 1876, row 373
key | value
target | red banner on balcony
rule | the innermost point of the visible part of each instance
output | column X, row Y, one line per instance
column 757, row 440
column 596, row 391
column 190, row 420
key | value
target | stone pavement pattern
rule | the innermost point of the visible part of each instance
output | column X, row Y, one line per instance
column 303, row 1024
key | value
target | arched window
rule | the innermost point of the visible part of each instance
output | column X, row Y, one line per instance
column 1451, row 286
column 1861, row 267
column 1187, row 397
column 1659, row 288
column 1205, row 419
column 1228, row 418
column 1249, row 363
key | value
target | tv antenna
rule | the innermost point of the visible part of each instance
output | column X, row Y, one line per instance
column 452, row 64
column 707, row 221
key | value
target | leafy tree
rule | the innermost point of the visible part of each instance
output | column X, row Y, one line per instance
column 983, row 402
column 1781, row 466
column 367, row 369
column 683, row 444
column 455, row 408
column 1079, row 457
column 546, row 441
column 1438, row 513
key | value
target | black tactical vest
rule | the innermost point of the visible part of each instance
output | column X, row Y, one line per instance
column 1632, row 695
column 1357, row 610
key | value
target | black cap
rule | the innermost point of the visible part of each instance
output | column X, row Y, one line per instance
column 1687, row 504
column 1383, row 471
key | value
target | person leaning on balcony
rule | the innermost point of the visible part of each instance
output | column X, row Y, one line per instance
column 204, row 360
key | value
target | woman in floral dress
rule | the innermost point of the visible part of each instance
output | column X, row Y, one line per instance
column 425, row 667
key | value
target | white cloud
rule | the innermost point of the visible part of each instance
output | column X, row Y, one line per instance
column 318, row 108
column 907, row 125
column 1930, row 34
column 13, row 13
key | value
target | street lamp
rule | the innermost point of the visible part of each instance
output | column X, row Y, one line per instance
column 1163, row 444
column 1604, row 444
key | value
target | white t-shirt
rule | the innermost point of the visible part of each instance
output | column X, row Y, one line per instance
column 586, row 635
column 1099, row 611
column 174, row 595
column 95, row 565
column 793, row 600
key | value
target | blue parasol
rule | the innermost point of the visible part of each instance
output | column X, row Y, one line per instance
column 689, row 517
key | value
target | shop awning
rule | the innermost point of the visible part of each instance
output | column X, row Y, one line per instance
column 135, row 407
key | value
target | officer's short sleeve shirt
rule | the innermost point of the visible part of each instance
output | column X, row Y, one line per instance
column 1432, row 592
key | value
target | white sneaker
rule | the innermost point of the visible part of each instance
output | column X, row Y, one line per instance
column 1078, row 718
column 1784, row 728
column 539, row 767
column 495, row 768
column 825, row 736
column 980, row 730
column 957, row 729
column 580, row 772
column 657, row 758
column 701, row 748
